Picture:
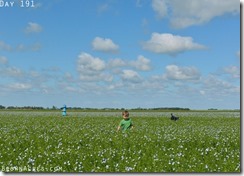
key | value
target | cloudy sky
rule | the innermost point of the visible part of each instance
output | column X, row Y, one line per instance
column 121, row 53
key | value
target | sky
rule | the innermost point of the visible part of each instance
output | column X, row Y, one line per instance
column 120, row 53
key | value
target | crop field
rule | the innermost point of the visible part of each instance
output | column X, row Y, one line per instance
column 32, row 141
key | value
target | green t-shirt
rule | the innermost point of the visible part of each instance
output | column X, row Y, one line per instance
column 125, row 124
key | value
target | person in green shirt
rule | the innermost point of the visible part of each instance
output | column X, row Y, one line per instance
column 126, row 123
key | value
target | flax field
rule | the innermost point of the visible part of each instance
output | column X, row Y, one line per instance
column 44, row 141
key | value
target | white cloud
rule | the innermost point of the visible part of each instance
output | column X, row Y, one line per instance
column 3, row 60
column 214, row 85
column 181, row 73
column 102, row 8
column 105, row 45
column 20, row 86
column 191, row 12
column 142, row 63
column 18, row 79
column 4, row 46
column 20, row 47
column 160, row 7
column 131, row 76
column 90, row 64
column 33, row 28
column 32, row 47
column 13, row 72
column 234, row 71
column 113, row 63
column 91, row 68
column 170, row 44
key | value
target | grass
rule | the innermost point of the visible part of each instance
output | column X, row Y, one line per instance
column 87, row 142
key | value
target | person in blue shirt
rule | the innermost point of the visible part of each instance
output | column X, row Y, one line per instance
column 64, row 113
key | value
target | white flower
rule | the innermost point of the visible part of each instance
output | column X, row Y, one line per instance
column 128, row 169
column 104, row 160
column 31, row 161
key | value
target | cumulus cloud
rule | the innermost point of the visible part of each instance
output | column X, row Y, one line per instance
column 175, row 72
column 142, row 63
column 234, row 71
column 170, row 44
column 90, row 64
column 160, row 7
column 190, row 12
column 91, row 68
column 104, row 45
column 18, row 79
column 131, row 76
column 214, row 85
column 113, row 63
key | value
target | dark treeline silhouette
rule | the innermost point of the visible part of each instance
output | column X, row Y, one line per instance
column 164, row 108
column 23, row 108
column 88, row 109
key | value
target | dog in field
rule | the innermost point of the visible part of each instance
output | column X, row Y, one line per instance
column 174, row 117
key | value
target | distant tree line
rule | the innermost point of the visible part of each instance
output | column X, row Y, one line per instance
column 24, row 107
column 164, row 108
column 87, row 109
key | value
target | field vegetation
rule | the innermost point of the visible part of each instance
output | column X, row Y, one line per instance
column 39, row 141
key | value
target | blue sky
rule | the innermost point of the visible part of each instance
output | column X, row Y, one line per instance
column 121, row 54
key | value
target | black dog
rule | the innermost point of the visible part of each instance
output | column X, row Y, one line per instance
column 174, row 117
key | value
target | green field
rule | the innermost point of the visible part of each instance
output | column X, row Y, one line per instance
column 88, row 142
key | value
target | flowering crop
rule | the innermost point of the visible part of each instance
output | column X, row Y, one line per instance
column 88, row 142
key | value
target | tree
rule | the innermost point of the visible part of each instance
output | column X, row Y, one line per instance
column 2, row 107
